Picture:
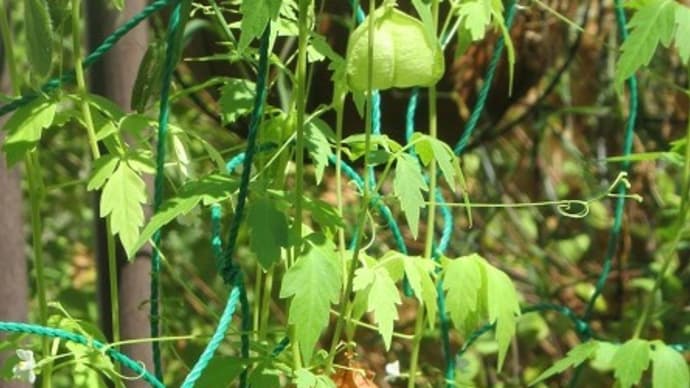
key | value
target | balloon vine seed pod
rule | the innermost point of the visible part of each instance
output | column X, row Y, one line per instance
column 404, row 55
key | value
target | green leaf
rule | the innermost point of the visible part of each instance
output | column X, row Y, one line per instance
column 268, row 230
column 476, row 17
column 209, row 189
column 39, row 37
column 669, row 368
column 418, row 272
column 317, row 133
column 630, row 362
column 503, row 307
column 575, row 357
column 236, row 99
column 103, row 167
column 462, row 281
column 682, row 31
column 221, row 368
column 430, row 149
column 25, row 128
column 306, row 379
column 255, row 16
column 314, row 283
column 383, row 299
column 148, row 82
column 408, row 185
column 122, row 199
column 650, row 25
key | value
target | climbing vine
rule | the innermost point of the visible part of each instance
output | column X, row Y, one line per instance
column 295, row 279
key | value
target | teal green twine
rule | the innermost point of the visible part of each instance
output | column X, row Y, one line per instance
column 230, row 273
column 488, row 80
column 120, row 358
column 622, row 189
column 96, row 55
column 171, row 57
column 375, row 201
column 216, row 339
column 228, row 270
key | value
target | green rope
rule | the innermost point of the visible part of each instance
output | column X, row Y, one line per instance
column 122, row 359
column 488, row 80
column 96, row 55
column 217, row 338
column 175, row 26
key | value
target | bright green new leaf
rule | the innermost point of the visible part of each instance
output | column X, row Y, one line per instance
column 430, row 149
column 476, row 17
column 236, row 99
column 317, row 133
column 503, row 307
column 209, row 189
column 408, row 185
column 256, row 14
column 682, row 31
column 650, row 25
column 122, row 199
column 575, row 357
column 669, row 368
column 25, row 128
column 314, row 283
column 39, row 37
column 630, row 362
column 268, row 230
column 103, row 167
column 383, row 300
column 462, row 281
column 418, row 272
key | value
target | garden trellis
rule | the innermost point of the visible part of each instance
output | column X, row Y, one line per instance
column 231, row 272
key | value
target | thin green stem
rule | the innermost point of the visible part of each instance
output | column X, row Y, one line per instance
column 300, row 107
column 95, row 153
column 346, row 305
column 266, row 302
column 36, row 193
column 36, row 197
column 679, row 228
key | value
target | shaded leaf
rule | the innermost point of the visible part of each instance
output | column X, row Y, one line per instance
column 575, row 357
column 39, row 37
column 269, row 230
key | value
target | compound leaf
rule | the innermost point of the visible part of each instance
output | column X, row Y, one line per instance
column 669, row 368
column 408, row 185
column 575, row 356
column 313, row 283
column 122, row 199
column 269, row 230
column 630, row 362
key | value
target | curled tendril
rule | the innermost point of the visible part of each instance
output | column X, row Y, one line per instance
column 565, row 208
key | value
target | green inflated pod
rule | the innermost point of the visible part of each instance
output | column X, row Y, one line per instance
column 404, row 55
column 148, row 82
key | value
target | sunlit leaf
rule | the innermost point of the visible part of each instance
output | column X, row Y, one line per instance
column 313, row 283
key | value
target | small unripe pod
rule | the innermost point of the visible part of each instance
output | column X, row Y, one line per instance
column 404, row 55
